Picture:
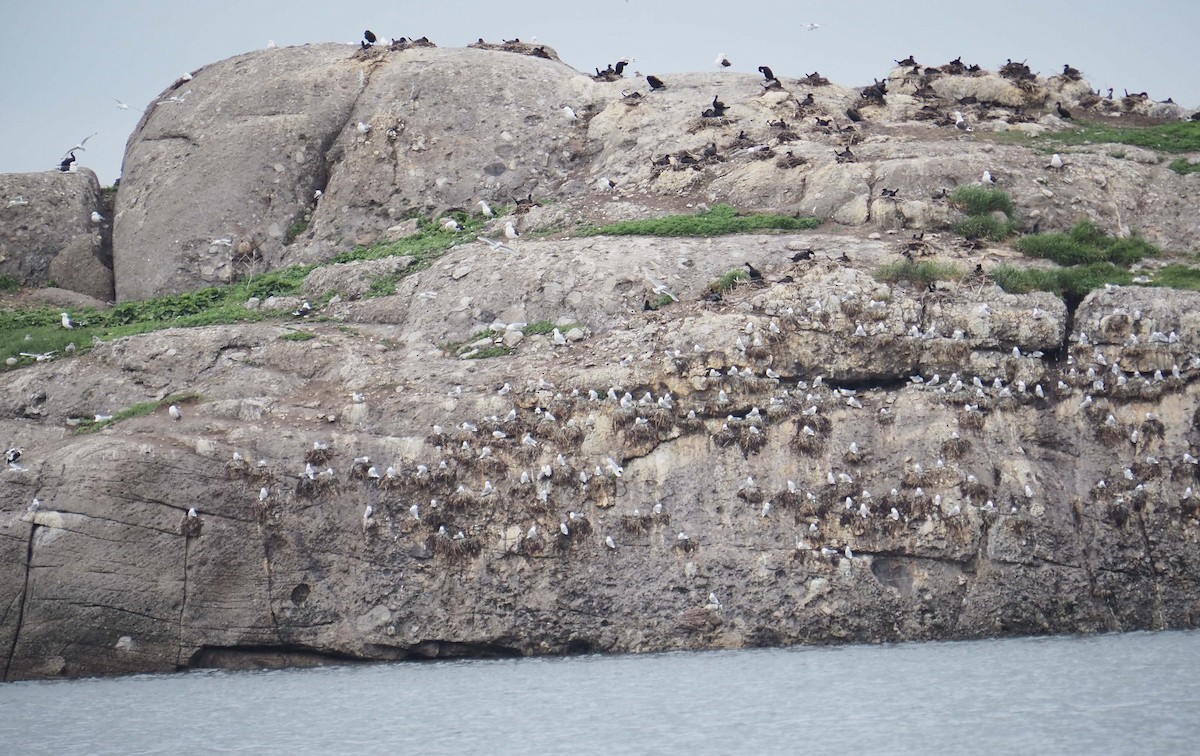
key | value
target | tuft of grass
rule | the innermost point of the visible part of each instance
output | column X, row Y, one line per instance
column 1177, row 277
column 1183, row 166
column 539, row 328
column 985, row 227
column 298, row 336
column 1183, row 136
column 729, row 280
column 141, row 409
column 298, row 227
column 384, row 286
column 661, row 302
column 8, row 283
column 1076, row 280
column 979, row 200
column 1085, row 244
column 919, row 273
column 718, row 220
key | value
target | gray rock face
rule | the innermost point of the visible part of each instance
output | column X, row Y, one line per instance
column 239, row 149
column 384, row 133
column 46, row 231
column 1053, row 496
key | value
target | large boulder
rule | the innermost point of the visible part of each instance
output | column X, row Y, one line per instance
column 46, row 228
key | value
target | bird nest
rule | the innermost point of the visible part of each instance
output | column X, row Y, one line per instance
column 569, row 435
column 318, row 457
column 808, row 443
column 191, row 526
column 751, row 439
column 972, row 420
column 686, row 545
column 309, row 488
column 955, row 447
column 751, row 494
column 456, row 549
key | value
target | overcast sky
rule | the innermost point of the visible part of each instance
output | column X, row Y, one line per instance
column 62, row 62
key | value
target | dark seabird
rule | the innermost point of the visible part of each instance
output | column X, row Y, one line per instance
column 909, row 61
column 65, row 165
column 620, row 67
column 1062, row 112
column 1071, row 73
column 800, row 256
column 853, row 115
column 754, row 274
column 368, row 39
column 807, row 101
column 766, row 72
column 655, row 82
column 888, row 192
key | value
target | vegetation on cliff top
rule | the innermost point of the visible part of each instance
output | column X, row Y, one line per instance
column 716, row 221
column 981, row 204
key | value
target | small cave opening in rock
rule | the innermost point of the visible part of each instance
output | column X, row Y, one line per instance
column 300, row 594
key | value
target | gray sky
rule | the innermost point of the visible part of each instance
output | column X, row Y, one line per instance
column 63, row 61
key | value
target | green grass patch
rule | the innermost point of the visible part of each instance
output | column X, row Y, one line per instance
column 298, row 227
column 384, row 286
column 1078, row 280
column 1085, row 244
column 729, row 280
column 539, row 328
column 38, row 330
column 298, row 336
column 1183, row 166
column 979, row 200
column 1177, row 277
column 661, row 302
column 985, row 227
column 8, row 283
column 141, row 409
column 919, row 273
column 719, row 220
column 1183, row 136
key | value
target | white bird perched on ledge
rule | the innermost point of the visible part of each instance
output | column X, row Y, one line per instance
column 67, row 321
column 509, row 231
column 174, row 412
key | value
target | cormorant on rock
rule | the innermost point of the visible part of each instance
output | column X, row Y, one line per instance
column 754, row 274
column 853, row 115
column 909, row 61
column 888, row 192
column 619, row 68
column 766, row 72
column 655, row 82
column 800, row 256
column 1062, row 112
column 807, row 101
column 716, row 111
column 65, row 165
column 368, row 38
column 1071, row 73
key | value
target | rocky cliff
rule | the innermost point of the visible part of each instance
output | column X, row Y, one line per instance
column 816, row 455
